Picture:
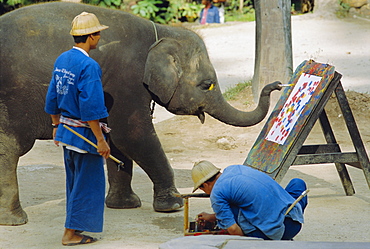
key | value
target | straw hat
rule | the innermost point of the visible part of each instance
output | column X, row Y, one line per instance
column 86, row 23
column 202, row 172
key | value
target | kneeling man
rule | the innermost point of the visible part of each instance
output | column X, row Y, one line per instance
column 249, row 202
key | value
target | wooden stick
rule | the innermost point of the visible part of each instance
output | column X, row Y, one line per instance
column 91, row 143
column 304, row 193
column 200, row 195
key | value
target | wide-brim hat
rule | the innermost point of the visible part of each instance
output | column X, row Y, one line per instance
column 85, row 24
column 202, row 172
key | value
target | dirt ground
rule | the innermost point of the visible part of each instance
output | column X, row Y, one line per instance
column 330, row 215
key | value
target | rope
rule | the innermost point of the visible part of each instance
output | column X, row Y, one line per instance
column 155, row 31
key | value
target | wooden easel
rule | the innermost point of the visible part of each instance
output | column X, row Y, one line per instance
column 299, row 154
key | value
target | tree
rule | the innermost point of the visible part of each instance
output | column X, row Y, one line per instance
column 273, row 56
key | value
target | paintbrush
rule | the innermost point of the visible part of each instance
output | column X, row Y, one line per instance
column 286, row 85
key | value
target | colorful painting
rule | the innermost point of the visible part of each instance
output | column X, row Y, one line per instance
column 293, row 108
column 286, row 122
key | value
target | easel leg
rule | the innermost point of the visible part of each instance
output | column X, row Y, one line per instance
column 353, row 131
column 341, row 168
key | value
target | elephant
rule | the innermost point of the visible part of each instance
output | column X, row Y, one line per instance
column 142, row 63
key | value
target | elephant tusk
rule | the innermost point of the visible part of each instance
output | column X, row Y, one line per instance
column 201, row 117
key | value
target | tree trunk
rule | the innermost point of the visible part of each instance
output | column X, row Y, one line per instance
column 241, row 5
column 273, row 57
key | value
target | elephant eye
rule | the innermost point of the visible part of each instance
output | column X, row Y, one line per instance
column 207, row 85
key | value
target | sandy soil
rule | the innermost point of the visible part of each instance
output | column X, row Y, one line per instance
column 330, row 216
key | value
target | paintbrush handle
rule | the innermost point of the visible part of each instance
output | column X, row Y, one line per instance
column 304, row 193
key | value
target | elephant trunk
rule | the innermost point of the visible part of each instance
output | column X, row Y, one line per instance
column 229, row 115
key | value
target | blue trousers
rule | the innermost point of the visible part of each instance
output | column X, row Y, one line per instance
column 85, row 189
column 295, row 188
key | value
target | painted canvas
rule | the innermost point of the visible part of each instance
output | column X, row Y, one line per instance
column 293, row 108
column 284, row 126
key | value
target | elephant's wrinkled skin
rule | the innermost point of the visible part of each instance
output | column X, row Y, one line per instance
column 176, row 72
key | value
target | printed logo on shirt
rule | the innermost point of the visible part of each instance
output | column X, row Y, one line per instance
column 67, row 77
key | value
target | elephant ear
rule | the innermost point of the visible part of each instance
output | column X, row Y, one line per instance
column 163, row 68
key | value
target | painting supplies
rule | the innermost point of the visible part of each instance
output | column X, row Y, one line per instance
column 197, row 227
column 120, row 163
column 304, row 193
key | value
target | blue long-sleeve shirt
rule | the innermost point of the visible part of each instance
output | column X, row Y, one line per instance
column 76, row 91
column 213, row 15
column 252, row 199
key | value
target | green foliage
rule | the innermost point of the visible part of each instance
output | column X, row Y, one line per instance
column 236, row 16
column 176, row 11
column 233, row 5
column 234, row 13
column 232, row 92
column 190, row 10
column 9, row 5
column 12, row 2
column 147, row 9
column 343, row 9
column 112, row 4
column 344, row 6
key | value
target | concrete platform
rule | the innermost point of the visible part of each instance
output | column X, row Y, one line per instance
column 239, row 242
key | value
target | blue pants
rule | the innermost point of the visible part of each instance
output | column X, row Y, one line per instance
column 295, row 188
column 85, row 189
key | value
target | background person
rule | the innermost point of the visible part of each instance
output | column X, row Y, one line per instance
column 75, row 97
column 220, row 4
column 249, row 202
column 209, row 14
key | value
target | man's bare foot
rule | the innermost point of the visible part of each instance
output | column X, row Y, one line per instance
column 71, row 238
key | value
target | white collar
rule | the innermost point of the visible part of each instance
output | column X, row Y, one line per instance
column 83, row 51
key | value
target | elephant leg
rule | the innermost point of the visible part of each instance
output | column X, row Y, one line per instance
column 164, row 189
column 120, row 194
column 139, row 141
column 150, row 156
column 11, row 212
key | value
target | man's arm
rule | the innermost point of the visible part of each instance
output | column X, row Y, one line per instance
column 55, row 121
column 235, row 230
column 103, row 147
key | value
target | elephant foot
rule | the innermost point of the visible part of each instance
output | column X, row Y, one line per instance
column 165, row 201
column 13, row 218
column 120, row 201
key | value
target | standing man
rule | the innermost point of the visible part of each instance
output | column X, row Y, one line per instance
column 249, row 202
column 209, row 14
column 75, row 97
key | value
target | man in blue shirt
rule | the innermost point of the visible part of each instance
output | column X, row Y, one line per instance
column 209, row 14
column 249, row 202
column 75, row 97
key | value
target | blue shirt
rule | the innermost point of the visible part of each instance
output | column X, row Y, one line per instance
column 213, row 15
column 252, row 199
column 76, row 91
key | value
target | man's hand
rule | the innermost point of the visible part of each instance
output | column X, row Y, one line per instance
column 207, row 217
column 103, row 148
